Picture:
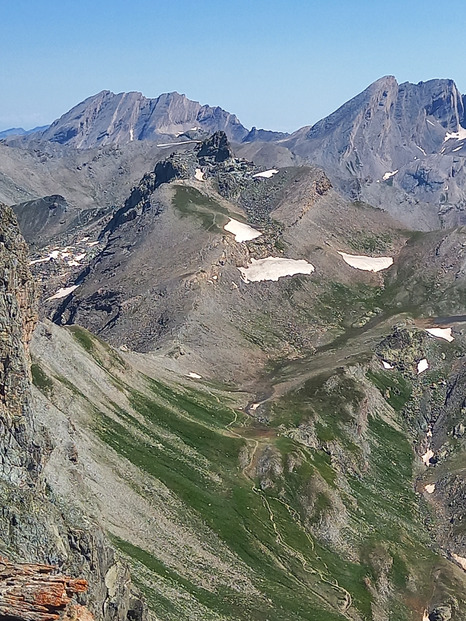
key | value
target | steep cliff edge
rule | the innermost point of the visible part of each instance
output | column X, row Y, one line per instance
column 36, row 526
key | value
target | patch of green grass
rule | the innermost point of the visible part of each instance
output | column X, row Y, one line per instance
column 83, row 337
column 370, row 242
column 211, row 215
column 40, row 379
column 344, row 304
column 393, row 387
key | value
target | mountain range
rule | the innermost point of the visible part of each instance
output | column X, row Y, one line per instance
column 232, row 379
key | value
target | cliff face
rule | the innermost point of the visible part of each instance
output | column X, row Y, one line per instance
column 36, row 526
column 20, row 451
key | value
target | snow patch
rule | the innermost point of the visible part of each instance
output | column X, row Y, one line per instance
column 175, row 144
column 369, row 264
column 39, row 261
column 273, row 268
column 425, row 616
column 387, row 365
column 422, row 366
column 430, row 489
column 266, row 174
column 199, row 175
column 430, row 122
column 427, row 457
column 62, row 293
column 387, row 175
column 458, row 148
column 420, row 149
column 90, row 244
column 459, row 135
column 242, row 232
column 441, row 333
column 194, row 375
column 460, row 560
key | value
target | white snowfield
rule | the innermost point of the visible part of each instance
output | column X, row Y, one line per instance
column 369, row 264
column 199, row 175
column 430, row 489
column 273, row 268
column 427, row 456
column 194, row 375
column 387, row 175
column 242, row 232
column 176, row 144
column 441, row 333
column 459, row 135
column 422, row 366
column 266, row 174
column 387, row 365
column 460, row 560
column 62, row 293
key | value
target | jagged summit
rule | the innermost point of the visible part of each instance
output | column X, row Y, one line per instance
column 406, row 136
column 109, row 118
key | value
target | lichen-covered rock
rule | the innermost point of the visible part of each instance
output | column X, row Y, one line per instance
column 31, row 592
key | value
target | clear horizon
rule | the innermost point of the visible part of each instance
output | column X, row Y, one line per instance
column 275, row 65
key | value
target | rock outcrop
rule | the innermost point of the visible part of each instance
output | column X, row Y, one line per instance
column 31, row 592
column 20, row 450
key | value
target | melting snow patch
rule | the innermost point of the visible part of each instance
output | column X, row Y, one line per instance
column 458, row 148
column 441, row 333
column 199, row 175
column 460, row 560
column 427, row 456
column 90, row 244
column 175, row 144
column 39, row 261
column 242, row 232
column 387, row 175
column 273, row 268
column 62, row 293
column 422, row 366
column 421, row 149
column 459, row 135
column 266, row 174
column 425, row 616
column 430, row 489
column 194, row 376
column 387, row 365
column 80, row 257
column 430, row 122
column 369, row 264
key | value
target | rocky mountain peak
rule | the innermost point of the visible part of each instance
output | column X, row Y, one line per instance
column 108, row 118
column 215, row 149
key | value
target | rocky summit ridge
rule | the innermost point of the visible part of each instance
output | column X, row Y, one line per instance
column 109, row 118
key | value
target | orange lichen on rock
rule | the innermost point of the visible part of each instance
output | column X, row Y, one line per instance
column 30, row 592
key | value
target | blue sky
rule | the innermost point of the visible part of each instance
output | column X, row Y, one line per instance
column 276, row 64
